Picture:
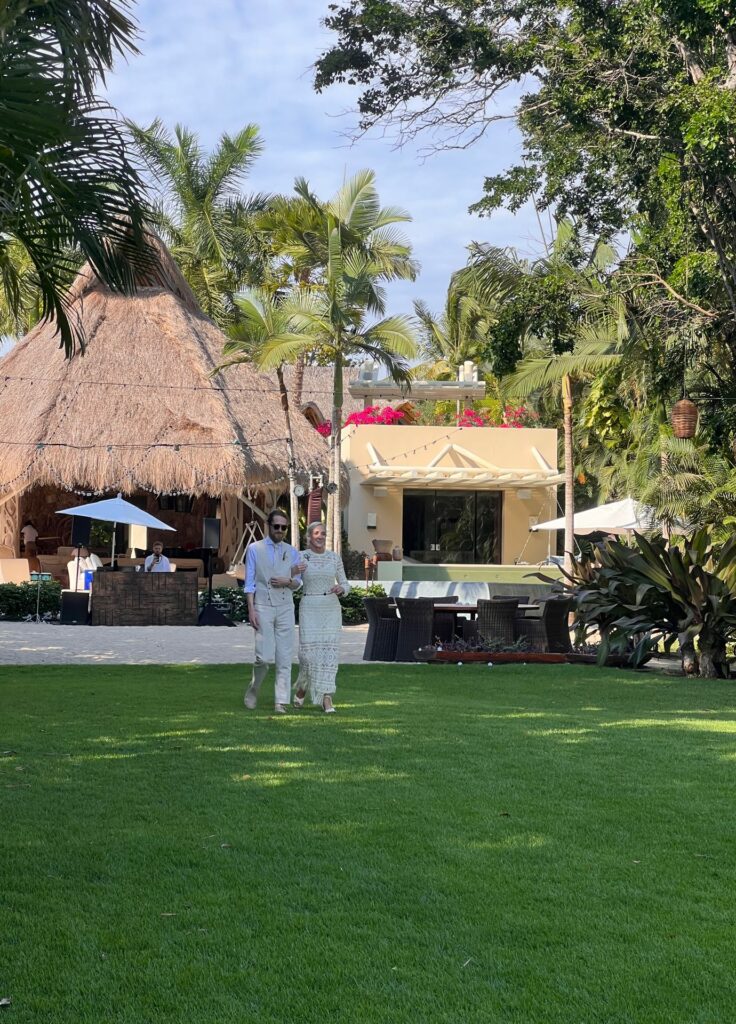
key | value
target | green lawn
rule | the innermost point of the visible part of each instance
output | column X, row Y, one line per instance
column 521, row 844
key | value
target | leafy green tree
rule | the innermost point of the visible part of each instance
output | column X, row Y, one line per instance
column 66, row 180
column 623, row 104
column 571, row 330
column 206, row 221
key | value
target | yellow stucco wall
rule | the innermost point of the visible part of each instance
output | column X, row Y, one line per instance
column 511, row 449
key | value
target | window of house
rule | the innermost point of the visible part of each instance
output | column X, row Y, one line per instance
column 452, row 526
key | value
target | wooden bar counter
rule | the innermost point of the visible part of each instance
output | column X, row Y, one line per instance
column 144, row 599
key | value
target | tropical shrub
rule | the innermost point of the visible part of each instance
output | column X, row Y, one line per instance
column 660, row 591
column 353, row 610
column 231, row 601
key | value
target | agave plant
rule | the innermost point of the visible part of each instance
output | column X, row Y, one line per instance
column 658, row 590
column 608, row 603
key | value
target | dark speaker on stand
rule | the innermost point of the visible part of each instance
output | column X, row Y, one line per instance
column 211, row 533
column 81, row 528
column 74, row 608
column 211, row 616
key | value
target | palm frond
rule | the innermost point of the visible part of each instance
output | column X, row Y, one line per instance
column 534, row 373
column 356, row 204
column 396, row 334
column 231, row 162
column 284, row 348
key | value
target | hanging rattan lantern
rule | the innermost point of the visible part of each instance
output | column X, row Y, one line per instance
column 684, row 418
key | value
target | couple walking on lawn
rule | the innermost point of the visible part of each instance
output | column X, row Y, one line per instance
column 274, row 570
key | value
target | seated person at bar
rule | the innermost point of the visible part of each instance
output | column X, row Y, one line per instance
column 77, row 566
column 157, row 562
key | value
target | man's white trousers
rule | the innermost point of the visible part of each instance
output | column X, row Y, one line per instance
column 275, row 646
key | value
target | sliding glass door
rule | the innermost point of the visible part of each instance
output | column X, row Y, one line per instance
column 452, row 526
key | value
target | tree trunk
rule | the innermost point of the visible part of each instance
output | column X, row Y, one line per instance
column 337, row 399
column 569, row 471
column 688, row 655
column 290, row 459
column 299, row 379
column 713, row 661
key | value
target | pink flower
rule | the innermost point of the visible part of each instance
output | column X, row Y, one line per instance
column 471, row 418
column 374, row 415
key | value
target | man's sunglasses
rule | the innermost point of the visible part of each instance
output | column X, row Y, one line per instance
column 278, row 526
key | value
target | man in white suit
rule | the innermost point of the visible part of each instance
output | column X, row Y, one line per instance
column 269, row 586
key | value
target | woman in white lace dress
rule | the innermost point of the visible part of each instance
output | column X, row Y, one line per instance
column 320, row 620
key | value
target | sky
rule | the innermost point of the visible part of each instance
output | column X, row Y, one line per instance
column 217, row 66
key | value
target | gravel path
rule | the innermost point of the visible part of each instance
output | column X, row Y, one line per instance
column 30, row 643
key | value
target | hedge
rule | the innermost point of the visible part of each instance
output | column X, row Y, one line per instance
column 18, row 600
column 233, row 603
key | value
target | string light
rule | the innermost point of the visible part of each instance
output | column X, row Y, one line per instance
column 178, row 447
column 149, row 445
column 147, row 385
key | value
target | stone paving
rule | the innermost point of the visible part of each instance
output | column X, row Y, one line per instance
column 31, row 643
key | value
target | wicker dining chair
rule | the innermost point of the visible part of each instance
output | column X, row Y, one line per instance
column 383, row 630
column 444, row 622
column 495, row 620
column 550, row 633
column 416, row 623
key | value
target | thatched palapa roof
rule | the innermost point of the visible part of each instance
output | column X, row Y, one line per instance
column 110, row 419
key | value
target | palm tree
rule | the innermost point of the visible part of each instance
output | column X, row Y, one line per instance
column 288, row 230
column 342, row 250
column 266, row 319
column 295, row 233
column 207, row 223
column 458, row 334
column 364, row 225
column 66, row 182
column 25, row 309
column 334, row 317
column 596, row 349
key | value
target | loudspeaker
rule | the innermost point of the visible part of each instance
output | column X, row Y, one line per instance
column 81, row 528
column 211, row 533
column 211, row 616
column 74, row 608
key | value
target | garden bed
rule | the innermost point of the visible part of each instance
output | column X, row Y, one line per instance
column 499, row 658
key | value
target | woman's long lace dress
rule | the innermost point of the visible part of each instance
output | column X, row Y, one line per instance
column 320, row 622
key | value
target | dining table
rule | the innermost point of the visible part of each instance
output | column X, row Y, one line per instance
column 470, row 610
column 461, row 609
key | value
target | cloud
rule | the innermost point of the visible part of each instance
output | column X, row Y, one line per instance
column 217, row 66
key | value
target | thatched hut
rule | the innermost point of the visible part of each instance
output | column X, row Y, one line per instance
column 140, row 412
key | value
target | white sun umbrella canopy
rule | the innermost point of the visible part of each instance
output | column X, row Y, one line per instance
column 116, row 510
column 615, row 517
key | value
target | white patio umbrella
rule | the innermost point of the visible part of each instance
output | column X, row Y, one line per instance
column 115, row 510
column 614, row 517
